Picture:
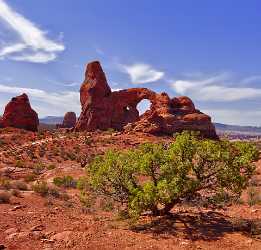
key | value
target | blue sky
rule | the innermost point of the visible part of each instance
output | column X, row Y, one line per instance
column 207, row 50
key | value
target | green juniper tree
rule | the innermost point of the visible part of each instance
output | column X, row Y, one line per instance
column 155, row 178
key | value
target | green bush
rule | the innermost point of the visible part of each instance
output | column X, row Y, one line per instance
column 253, row 196
column 38, row 168
column 155, row 177
column 51, row 167
column 65, row 181
column 41, row 188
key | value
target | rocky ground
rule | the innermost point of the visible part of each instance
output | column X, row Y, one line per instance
column 35, row 217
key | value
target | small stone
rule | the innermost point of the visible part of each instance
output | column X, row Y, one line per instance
column 37, row 235
column 16, row 208
column 47, row 241
column 2, row 247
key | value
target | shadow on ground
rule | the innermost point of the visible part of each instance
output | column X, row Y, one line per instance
column 199, row 226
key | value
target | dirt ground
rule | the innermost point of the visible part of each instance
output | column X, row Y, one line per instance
column 31, row 221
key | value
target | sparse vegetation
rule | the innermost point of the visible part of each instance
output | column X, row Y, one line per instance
column 5, row 183
column 38, row 168
column 30, row 177
column 253, row 196
column 65, row 181
column 85, row 199
column 156, row 178
column 19, row 164
column 41, row 188
column 51, row 167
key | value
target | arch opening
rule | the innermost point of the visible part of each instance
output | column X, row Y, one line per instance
column 143, row 106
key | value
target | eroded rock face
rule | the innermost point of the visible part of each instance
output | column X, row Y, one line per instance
column 103, row 109
column 19, row 114
column 69, row 120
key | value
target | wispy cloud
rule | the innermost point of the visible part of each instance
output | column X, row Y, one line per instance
column 252, row 79
column 234, row 116
column 61, row 101
column 215, row 88
column 65, row 84
column 141, row 73
column 33, row 45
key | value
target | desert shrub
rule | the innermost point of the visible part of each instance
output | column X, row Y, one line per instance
column 85, row 199
column 253, row 196
column 41, row 188
column 65, row 181
column 82, row 183
column 156, row 178
column 30, row 177
column 19, row 164
column 51, row 167
column 5, row 183
column 38, row 168
column 4, row 197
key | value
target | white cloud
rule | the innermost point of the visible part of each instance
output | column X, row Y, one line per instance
column 69, row 84
column 235, row 116
column 252, row 79
column 33, row 45
column 214, row 89
column 58, row 102
column 113, row 90
column 142, row 73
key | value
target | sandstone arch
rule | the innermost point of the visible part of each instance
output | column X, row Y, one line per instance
column 103, row 109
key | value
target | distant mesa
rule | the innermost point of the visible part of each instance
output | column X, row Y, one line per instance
column 69, row 120
column 103, row 109
column 19, row 114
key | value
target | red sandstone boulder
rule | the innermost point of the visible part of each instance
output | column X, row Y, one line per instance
column 103, row 109
column 94, row 91
column 69, row 120
column 95, row 84
column 19, row 114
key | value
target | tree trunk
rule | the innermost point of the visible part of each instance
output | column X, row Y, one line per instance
column 168, row 207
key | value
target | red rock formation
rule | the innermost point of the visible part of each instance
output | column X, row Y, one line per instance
column 69, row 120
column 19, row 114
column 103, row 109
